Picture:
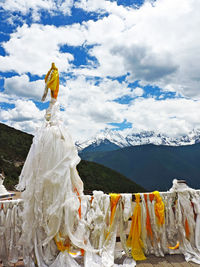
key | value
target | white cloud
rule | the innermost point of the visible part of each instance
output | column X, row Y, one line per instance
column 32, row 49
column 24, row 116
column 89, row 106
column 92, row 111
column 36, row 6
column 102, row 6
column 137, row 92
column 170, row 116
column 156, row 44
column 4, row 98
column 24, row 110
column 20, row 86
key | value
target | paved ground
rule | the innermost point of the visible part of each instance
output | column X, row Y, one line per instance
column 167, row 261
column 152, row 261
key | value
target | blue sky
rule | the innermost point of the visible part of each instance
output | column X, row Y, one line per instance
column 128, row 65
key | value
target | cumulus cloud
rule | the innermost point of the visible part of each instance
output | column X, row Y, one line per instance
column 89, row 106
column 170, row 116
column 32, row 49
column 102, row 6
column 24, row 110
column 156, row 44
column 137, row 92
column 24, row 116
column 35, row 7
column 21, row 86
column 145, row 65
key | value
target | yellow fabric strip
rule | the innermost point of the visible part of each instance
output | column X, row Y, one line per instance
column 134, row 241
column 159, row 209
column 53, row 84
column 114, row 198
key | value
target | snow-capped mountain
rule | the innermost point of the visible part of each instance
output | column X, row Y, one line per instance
column 104, row 141
column 111, row 140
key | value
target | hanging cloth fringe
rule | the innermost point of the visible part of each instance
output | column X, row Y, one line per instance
column 114, row 198
column 148, row 222
column 134, row 241
column 159, row 209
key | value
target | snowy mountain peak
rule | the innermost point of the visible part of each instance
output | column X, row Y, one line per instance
column 108, row 137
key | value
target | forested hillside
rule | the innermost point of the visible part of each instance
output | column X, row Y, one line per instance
column 14, row 147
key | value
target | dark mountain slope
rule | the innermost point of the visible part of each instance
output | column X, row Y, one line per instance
column 153, row 166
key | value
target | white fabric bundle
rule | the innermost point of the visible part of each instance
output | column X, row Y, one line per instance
column 10, row 231
column 50, row 179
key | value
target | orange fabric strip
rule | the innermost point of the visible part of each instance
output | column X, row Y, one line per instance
column 151, row 197
column 148, row 221
column 187, row 229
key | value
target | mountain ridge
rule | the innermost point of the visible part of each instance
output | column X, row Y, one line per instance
column 117, row 140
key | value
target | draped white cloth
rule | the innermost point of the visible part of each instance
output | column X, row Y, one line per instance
column 10, row 231
column 50, row 180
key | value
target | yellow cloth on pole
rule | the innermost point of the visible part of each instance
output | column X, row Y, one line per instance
column 134, row 241
column 53, row 83
column 159, row 209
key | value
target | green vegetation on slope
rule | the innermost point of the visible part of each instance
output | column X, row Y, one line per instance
column 14, row 147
